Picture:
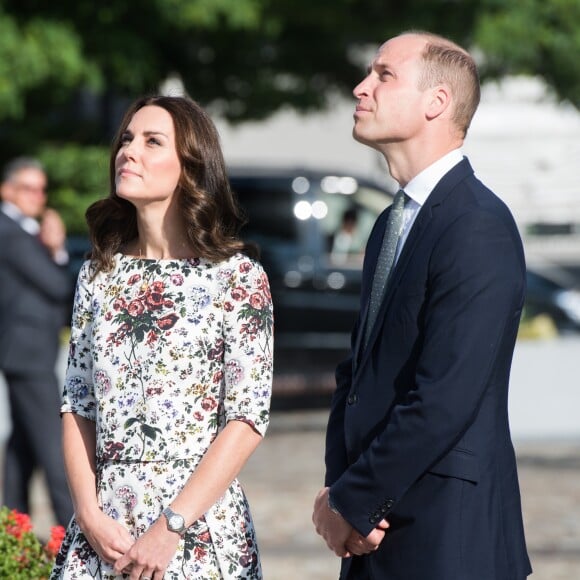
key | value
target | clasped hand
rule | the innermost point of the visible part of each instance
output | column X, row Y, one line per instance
column 148, row 556
column 339, row 535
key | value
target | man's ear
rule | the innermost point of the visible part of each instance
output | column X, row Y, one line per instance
column 438, row 102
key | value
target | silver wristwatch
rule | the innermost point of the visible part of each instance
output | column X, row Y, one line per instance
column 175, row 522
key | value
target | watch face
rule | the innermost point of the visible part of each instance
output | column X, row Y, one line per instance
column 176, row 522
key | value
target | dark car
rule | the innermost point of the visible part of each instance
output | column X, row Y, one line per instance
column 311, row 227
column 554, row 292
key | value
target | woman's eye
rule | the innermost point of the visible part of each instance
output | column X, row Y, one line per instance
column 154, row 141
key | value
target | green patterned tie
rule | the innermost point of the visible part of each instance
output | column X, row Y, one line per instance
column 386, row 259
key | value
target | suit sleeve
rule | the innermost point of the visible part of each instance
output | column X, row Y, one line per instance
column 476, row 281
column 335, row 457
column 29, row 260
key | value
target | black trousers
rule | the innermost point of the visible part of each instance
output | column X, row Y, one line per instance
column 35, row 442
column 358, row 569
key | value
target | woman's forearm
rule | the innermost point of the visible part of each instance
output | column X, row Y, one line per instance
column 222, row 463
column 79, row 444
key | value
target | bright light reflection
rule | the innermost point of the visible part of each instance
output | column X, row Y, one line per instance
column 303, row 210
column 329, row 184
column 319, row 210
column 300, row 185
column 336, row 280
column 335, row 184
column 347, row 185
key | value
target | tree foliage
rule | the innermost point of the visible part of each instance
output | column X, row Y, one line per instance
column 68, row 68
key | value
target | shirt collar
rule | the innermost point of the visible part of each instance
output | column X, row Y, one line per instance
column 419, row 188
column 11, row 211
column 27, row 223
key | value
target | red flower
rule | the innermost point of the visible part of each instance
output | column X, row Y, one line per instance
column 257, row 301
column 119, row 304
column 245, row 267
column 228, row 306
column 157, row 287
column 56, row 538
column 208, row 403
column 136, row 307
column 134, row 279
column 239, row 293
column 18, row 524
column 154, row 300
column 167, row 322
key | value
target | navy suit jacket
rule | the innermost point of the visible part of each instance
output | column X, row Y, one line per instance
column 418, row 431
column 34, row 293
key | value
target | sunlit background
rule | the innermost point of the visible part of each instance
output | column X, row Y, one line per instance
column 276, row 76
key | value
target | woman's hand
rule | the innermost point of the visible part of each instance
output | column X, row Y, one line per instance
column 108, row 538
column 150, row 555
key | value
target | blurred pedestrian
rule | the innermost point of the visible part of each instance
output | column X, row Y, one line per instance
column 345, row 238
column 169, row 375
column 420, row 468
column 34, row 292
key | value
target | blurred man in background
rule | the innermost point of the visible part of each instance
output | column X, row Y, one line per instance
column 34, row 291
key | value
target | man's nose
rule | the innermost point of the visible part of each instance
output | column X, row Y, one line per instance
column 362, row 88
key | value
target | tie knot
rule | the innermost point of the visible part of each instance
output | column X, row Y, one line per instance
column 400, row 199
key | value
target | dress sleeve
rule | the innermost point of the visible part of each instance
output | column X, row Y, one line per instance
column 248, row 348
column 78, row 394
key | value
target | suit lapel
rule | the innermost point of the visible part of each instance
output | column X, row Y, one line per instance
column 420, row 226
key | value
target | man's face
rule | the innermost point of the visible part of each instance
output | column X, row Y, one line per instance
column 390, row 105
column 27, row 191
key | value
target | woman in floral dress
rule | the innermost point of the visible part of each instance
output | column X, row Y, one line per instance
column 169, row 376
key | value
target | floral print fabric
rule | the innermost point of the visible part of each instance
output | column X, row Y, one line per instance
column 163, row 354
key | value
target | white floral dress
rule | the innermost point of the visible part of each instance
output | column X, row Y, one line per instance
column 163, row 354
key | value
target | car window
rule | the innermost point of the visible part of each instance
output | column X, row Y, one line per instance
column 349, row 217
column 269, row 205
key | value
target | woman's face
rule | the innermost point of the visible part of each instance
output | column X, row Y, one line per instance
column 147, row 168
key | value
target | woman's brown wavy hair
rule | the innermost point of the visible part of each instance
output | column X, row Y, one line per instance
column 209, row 208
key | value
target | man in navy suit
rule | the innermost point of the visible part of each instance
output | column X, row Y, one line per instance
column 34, row 291
column 421, row 479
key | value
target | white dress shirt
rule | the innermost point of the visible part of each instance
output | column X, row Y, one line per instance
column 419, row 189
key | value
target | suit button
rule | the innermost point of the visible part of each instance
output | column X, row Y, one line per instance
column 352, row 399
column 388, row 504
column 374, row 519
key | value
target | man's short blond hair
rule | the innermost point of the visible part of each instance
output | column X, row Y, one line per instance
column 445, row 62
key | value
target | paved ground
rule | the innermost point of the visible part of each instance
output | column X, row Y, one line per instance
column 284, row 475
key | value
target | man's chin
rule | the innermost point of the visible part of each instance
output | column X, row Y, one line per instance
column 362, row 139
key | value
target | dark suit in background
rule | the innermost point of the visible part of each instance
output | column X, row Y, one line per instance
column 34, row 292
column 418, row 436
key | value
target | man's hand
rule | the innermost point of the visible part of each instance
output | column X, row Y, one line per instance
column 52, row 232
column 331, row 525
column 359, row 545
